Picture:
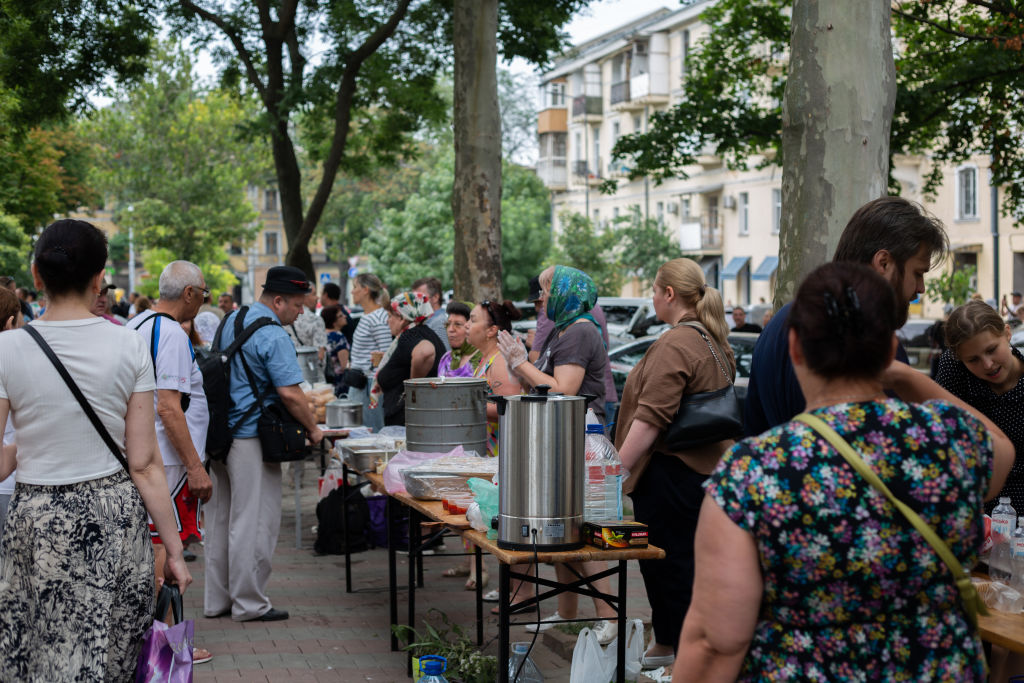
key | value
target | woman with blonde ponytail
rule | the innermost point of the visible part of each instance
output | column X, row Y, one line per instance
column 666, row 485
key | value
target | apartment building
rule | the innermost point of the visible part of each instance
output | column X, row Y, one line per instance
column 728, row 220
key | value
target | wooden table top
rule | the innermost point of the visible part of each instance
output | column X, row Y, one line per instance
column 586, row 553
column 1005, row 630
column 432, row 509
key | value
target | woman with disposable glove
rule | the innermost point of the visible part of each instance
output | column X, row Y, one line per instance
column 572, row 361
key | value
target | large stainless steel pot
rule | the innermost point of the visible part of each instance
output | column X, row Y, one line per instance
column 342, row 412
column 540, row 470
column 444, row 412
column 309, row 363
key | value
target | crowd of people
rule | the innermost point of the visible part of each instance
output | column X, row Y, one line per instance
column 782, row 563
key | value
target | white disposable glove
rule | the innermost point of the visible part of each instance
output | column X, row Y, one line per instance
column 512, row 349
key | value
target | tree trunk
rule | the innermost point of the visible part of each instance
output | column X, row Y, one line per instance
column 836, row 117
column 476, row 195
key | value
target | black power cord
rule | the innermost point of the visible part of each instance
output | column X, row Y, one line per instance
column 536, row 564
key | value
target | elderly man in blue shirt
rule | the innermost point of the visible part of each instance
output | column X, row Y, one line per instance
column 244, row 515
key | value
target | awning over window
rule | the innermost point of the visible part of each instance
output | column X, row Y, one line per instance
column 735, row 266
column 766, row 269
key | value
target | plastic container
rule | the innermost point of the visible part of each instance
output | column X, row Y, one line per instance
column 521, row 668
column 432, row 668
column 1017, row 557
column 602, row 494
column 1004, row 522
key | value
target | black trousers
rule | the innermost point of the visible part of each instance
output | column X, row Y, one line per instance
column 667, row 499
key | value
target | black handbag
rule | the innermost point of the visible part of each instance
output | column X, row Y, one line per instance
column 355, row 378
column 282, row 437
column 706, row 417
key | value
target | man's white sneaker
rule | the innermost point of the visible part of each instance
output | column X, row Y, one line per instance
column 653, row 662
column 545, row 623
column 605, row 631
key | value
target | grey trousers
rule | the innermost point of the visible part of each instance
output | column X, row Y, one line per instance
column 243, row 519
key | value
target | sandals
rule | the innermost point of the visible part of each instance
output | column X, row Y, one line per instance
column 471, row 582
column 200, row 655
column 452, row 572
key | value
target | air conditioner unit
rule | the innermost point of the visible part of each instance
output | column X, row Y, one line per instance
column 640, row 48
column 729, row 202
column 672, row 207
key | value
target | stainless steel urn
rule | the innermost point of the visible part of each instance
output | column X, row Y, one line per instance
column 540, row 471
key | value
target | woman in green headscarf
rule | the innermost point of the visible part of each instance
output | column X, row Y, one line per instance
column 572, row 361
column 573, row 358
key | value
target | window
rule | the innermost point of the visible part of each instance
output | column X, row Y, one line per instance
column 597, row 146
column 615, row 213
column 776, row 211
column 686, row 208
column 597, row 219
column 577, row 143
column 270, row 199
column 556, row 95
column 659, row 209
column 744, row 213
column 967, row 193
column 616, row 132
column 636, row 124
column 684, row 51
column 271, row 245
column 713, row 213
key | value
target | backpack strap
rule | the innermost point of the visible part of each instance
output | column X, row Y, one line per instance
column 242, row 336
column 82, row 401
column 154, row 336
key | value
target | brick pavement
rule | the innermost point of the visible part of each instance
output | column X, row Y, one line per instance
column 337, row 636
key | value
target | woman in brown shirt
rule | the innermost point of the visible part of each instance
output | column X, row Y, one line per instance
column 666, row 486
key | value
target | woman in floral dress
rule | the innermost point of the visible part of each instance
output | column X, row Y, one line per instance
column 805, row 571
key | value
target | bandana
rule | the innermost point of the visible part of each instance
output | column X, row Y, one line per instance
column 573, row 295
column 413, row 307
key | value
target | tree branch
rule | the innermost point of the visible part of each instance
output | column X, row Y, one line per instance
column 236, row 41
column 992, row 7
column 342, row 115
column 945, row 29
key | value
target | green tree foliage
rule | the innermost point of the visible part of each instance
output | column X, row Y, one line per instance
column 581, row 246
column 218, row 277
column 176, row 162
column 645, row 245
column 953, row 286
column 414, row 239
column 959, row 83
column 15, row 250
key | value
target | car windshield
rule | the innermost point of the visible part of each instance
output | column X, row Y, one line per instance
column 619, row 315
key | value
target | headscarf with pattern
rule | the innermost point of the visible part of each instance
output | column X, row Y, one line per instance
column 572, row 296
column 413, row 308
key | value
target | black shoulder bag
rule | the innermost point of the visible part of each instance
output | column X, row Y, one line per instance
column 82, row 401
column 282, row 437
column 706, row 417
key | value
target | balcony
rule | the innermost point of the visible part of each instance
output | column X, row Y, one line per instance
column 619, row 94
column 588, row 171
column 552, row 120
column 586, row 108
column 553, row 173
column 700, row 233
column 648, row 91
column 618, row 169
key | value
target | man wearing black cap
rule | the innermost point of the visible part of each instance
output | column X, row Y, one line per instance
column 244, row 514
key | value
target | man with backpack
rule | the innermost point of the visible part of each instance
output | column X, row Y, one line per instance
column 244, row 515
column 182, row 417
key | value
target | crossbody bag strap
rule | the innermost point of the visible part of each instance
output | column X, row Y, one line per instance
column 82, row 401
column 701, row 331
column 242, row 336
column 968, row 593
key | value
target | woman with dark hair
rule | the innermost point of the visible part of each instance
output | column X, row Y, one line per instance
column 463, row 358
column 414, row 353
column 76, row 579
column 804, row 570
column 981, row 368
column 371, row 338
column 337, row 347
column 486, row 321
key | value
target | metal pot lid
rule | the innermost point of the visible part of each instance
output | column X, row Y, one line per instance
column 305, row 349
column 541, row 394
column 344, row 403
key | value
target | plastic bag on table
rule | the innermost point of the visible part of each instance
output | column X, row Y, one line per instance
column 393, row 481
column 486, row 495
column 591, row 663
column 476, row 519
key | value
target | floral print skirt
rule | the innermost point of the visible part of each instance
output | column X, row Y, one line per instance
column 76, row 582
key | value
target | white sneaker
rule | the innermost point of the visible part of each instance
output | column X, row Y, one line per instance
column 605, row 631
column 662, row 674
column 491, row 596
column 545, row 623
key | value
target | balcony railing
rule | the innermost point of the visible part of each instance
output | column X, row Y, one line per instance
column 553, row 172
column 700, row 233
column 585, row 105
column 591, row 170
column 620, row 92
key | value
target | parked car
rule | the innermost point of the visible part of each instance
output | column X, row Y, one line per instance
column 625, row 357
column 626, row 316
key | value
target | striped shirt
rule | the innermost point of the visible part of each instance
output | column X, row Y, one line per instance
column 372, row 334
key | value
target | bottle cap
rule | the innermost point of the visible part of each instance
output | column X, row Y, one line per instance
column 1004, row 500
column 433, row 664
column 595, row 429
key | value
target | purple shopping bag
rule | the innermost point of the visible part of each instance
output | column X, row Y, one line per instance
column 166, row 655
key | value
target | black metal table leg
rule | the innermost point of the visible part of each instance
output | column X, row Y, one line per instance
column 344, row 527
column 392, row 569
column 503, row 619
column 414, row 551
column 620, row 652
column 478, row 558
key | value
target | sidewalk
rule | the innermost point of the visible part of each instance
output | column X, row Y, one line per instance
column 337, row 636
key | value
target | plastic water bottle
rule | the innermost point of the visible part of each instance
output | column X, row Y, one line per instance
column 1004, row 522
column 529, row 673
column 602, row 494
column 432, row 668
column 1017, row 555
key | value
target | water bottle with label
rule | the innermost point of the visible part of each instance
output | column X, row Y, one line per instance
column 1004, row 522
column 432, row 668
column 1017, row 561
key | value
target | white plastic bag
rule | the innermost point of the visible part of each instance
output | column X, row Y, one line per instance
column 590, row 662
column 634, row 648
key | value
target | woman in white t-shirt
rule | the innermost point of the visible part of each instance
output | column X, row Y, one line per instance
column 10, row 318
column 369, row 342
column 76, row 577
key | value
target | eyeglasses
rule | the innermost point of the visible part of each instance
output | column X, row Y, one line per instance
column 454, row 324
